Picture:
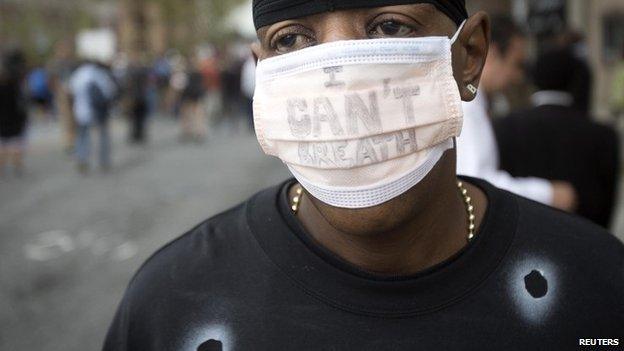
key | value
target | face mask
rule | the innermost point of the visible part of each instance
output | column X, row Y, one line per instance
column 359, row 122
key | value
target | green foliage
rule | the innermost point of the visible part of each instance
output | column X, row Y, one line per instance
column 36, row 25
column 203, row 20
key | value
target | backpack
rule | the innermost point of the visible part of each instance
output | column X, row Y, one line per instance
column 98, row 101
column 38, row 84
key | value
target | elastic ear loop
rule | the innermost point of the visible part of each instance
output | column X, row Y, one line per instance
column 456, row 35
column 453, row 40
column 470, row 87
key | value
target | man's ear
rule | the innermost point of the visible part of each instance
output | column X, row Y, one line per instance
column 255, row 50
column 475, row 42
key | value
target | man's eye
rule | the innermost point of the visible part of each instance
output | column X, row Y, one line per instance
column 290, row 42
column 391, row 29
column 287, row 41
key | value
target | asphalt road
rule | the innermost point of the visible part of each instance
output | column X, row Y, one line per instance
column 69, row 244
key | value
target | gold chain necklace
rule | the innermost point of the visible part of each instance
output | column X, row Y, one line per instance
column 469, row 210
column 296, row 201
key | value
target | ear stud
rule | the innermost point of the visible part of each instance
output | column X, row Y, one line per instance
column 472, row 89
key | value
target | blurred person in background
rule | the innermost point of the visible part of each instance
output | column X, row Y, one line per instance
column 119, row 69
column 93, row 89
column 209, row 68
column 61, row 68
column 581, row 82
column 375, row 244
column 13, row 111
column 40, row 93
column 161, row 71
column 177, row 83
column 192, row 113
column 248, row 86
column 477, row 152
column 231, row 84
column 558, row 141
column 136, row 93
column 617, row 91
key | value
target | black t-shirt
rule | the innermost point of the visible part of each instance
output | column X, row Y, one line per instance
column 252, row 279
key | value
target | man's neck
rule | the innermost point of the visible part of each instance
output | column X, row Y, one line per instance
column 436, row 232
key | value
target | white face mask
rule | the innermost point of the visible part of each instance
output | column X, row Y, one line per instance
column 359, row 122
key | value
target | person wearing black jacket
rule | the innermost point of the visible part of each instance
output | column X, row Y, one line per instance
column 13, row 111
column 555, row 140
column 138, row 80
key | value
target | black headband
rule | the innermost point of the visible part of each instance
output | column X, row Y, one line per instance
column 266, row 12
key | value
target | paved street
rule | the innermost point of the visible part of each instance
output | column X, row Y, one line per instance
column 69, row 244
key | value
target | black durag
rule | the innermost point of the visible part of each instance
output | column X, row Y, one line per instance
column 266, row 12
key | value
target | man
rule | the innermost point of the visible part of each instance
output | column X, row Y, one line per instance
column 362, row 103
column 193, row 119
column 137, row 85
column 582, row 81
column 93, row 90
column 556, row 140
column 477, row 153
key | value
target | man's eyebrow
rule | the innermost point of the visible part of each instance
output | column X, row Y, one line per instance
column 261, row 33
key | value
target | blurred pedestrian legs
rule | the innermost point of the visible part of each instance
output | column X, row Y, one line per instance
column 83, row 145
column 193, row 118
column 193, row 122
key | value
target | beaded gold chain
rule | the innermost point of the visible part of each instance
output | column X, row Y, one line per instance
column 296, row 200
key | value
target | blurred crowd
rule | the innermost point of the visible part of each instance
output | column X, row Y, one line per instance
column 210, row 88
column 531, row 125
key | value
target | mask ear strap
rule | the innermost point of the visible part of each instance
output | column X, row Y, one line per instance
column 454, row 38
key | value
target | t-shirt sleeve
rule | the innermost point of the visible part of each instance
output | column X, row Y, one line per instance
column 117, row 336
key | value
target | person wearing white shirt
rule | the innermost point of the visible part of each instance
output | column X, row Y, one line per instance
column 92, row 88
column 477, row 152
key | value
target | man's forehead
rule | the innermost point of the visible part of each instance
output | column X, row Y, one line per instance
column 267, row 12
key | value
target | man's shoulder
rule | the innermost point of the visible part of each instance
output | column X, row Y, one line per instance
column 221, row 244
column 580, row 254
column 204, row 251
column 216, row 230
column 548, row 229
